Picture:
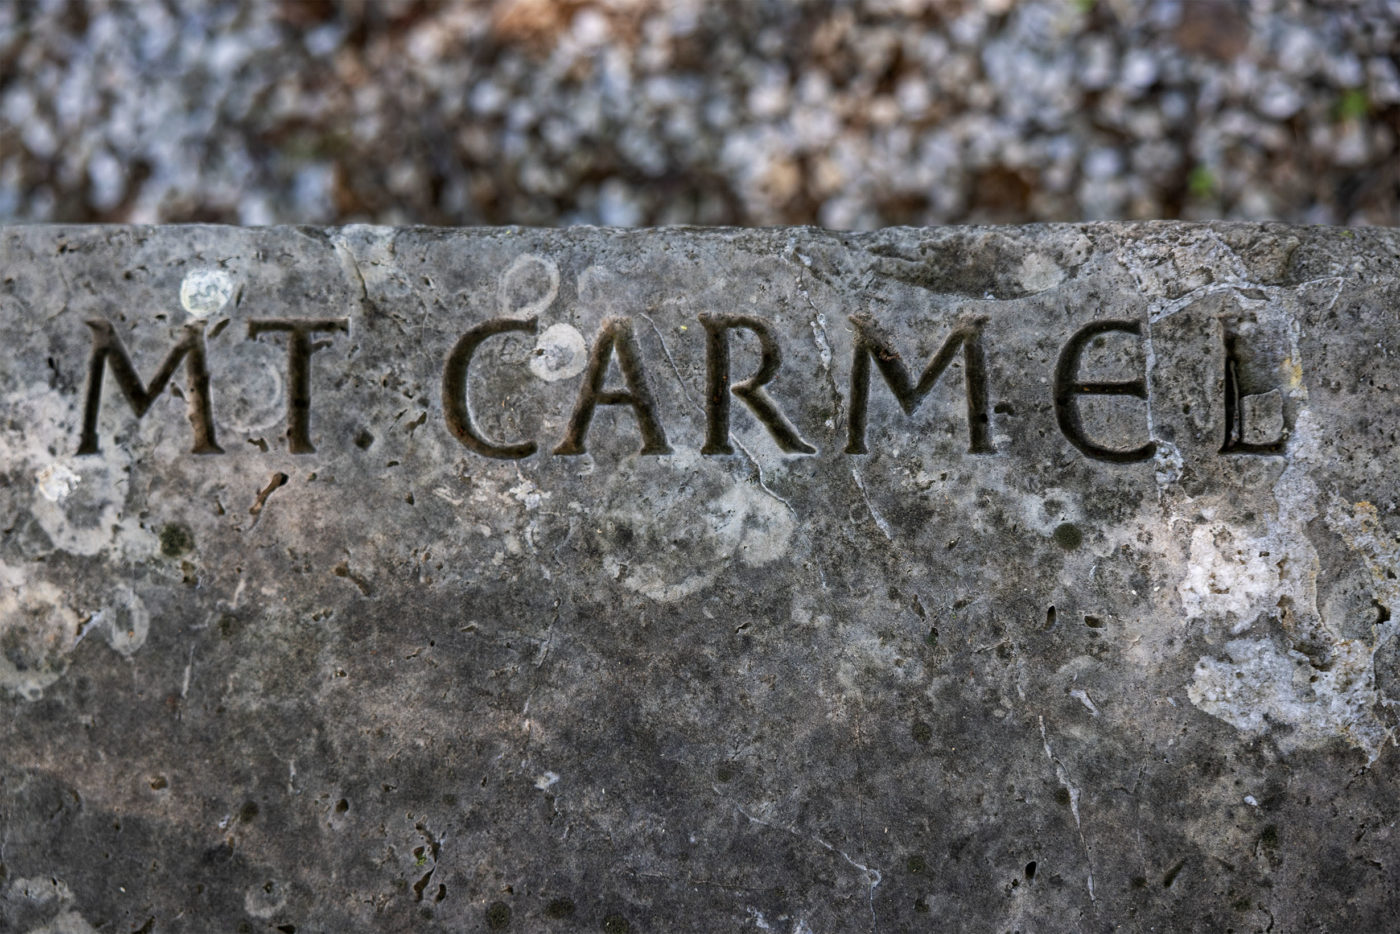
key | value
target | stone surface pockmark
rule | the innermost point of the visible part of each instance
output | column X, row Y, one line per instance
column 698, row 580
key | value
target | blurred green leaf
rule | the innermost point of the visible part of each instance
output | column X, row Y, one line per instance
column 1201, row 182
column 1353, row 104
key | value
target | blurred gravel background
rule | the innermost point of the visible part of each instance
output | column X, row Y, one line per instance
column 850, row 115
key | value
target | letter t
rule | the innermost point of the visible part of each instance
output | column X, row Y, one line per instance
column 299, row 351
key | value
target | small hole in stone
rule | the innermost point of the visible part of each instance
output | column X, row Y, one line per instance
column 1172, row 873
column 1068, row 536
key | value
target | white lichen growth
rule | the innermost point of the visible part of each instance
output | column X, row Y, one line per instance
column 560, row 353
column 204, row 292
column 37, row 631
column 1298, row 676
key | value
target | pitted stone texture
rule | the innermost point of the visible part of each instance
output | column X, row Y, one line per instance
column 396, row 684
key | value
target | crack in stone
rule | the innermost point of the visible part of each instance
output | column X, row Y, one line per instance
column 880, row 522
column 1063, row 777
column 872, row 875
column 685, row 390
column 347, row 255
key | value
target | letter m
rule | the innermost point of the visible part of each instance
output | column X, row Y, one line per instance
column 872, row 343
column 107, row 346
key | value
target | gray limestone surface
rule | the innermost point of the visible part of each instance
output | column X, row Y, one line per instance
column 987, row 579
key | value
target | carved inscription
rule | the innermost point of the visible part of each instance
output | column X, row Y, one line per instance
column 750, row 391
column 107, row 347
column 872, row 343
column 455, row 406
column 873, row 350
column 1068, row 385
column 299, row 351
column 615, row 337
column 1236, row 423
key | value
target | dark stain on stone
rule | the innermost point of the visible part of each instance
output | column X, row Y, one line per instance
column 1268, row 839
column 1068, row 536
column 498, row 916
column 971, row 267
column 215, row 855
column 175, row 540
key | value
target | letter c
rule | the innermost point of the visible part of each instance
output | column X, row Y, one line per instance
column 454, row 390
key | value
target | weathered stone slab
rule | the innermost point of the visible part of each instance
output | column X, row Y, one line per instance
column 983, row 579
